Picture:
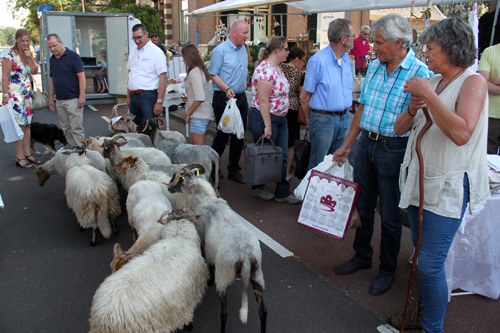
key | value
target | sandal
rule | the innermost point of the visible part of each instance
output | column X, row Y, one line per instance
column 25, row 165
column 31, row 159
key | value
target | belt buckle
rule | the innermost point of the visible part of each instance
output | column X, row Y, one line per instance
column 373, row 136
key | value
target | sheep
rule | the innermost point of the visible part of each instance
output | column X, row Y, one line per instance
column 228, row 244
column 157, row 291
column 57, row 164
column 168, row 134
column 140, row 136
column 95, row 143
column 184, row 153
column 136, row 169
column 145, row 204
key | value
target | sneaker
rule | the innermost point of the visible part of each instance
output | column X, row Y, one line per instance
column 291, row 199
column 413, row 318
column 237, row 177
column 261, row 193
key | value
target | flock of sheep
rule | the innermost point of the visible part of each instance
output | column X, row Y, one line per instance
column 185, row 236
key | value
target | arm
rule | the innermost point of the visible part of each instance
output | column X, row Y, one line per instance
column 31, row 61
column 404, row 120
column 342, row 153
column 305, row 97
column 459, row 126
column 223, row 86
column 264, row 89
column 51, row 95
column 162, row 88
column 6, row 68
column 81, row 81
column 192, row 108
column 493, row 84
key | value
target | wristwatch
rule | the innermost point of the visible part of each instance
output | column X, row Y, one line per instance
column 159, row 100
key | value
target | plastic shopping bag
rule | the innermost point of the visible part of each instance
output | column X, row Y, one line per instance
column 231, row 122
column 11, row 130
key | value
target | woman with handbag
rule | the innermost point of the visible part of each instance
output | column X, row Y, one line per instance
column 292, row 68
column 199, row 111
column 17, row 68
column 267, row 115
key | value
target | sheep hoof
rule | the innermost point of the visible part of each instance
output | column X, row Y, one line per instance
column 188, row 328
column 92, row 243
column 210, row 282
column 81, row 229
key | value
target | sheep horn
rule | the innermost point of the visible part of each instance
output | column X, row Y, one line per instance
column 159, row 121
column 195, row 166
column 165, row 213
column 177, row 177
column 146, row 124
column 120, row 137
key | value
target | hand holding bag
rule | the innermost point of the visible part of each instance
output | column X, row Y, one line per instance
column 11, row 130
column 231, row 122
column 263, row 163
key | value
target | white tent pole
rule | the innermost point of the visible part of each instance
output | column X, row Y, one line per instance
column 494, row 23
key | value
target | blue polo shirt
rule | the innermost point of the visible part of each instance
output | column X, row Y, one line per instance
column 329, row 82
column 63, row 73
column 230, row 63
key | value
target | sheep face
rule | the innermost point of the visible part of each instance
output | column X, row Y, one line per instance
column 120, row 258
column 42, row 175
column 125, row 124
column 178, row 180
column 125, row 164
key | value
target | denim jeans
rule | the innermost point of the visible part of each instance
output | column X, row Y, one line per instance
column 437, row 235
column 376, row 169
column 279, row 128
column 142, row 105
column 220, row 140
column 327, row 133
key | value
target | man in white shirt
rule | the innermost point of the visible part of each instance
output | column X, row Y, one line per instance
column 147, row 77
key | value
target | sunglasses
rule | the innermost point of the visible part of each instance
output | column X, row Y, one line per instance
column 138, row 37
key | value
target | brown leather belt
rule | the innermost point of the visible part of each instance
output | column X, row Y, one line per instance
column 378, row 137
column 137, row 92
column 331, row 113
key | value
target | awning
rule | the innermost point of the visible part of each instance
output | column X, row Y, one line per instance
column 235, row 4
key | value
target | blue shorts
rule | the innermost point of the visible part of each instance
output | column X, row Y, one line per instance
column 199, row 126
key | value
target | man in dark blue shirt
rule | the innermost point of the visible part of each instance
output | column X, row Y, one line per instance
column 67, row 83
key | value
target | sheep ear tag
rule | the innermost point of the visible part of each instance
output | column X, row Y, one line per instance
column 181, row 177
column 197, row 172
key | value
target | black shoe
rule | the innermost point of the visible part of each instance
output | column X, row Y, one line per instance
column 237, row 177
column 382, row 284
column 352, row 266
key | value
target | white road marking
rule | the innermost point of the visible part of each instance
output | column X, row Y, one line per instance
column 91, row 107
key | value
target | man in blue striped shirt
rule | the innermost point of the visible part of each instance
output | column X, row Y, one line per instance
column 380, row 152
column 327, row 92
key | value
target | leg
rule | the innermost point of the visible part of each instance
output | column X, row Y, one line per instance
column 340, row 130
column 280, row 139
column 321, row 130
column 223, row 311
column 198, row 130
column 198, row 139
column 493, row 135
column 236, row 145
column 220, row 140
column 75, row 115
column 63, row 117
column 258, row 290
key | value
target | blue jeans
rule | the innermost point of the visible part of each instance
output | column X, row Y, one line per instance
column 327, row 133
column 142, row 105
column 437, row 236
column 376, row 169
column 220, row 140
column 279, row 128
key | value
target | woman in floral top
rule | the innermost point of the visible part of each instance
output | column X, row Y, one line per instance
column 267, row 115
column 17, row 68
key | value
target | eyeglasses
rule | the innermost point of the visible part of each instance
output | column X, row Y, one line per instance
column 138, row 37
column 353, row 36
column 366, row 33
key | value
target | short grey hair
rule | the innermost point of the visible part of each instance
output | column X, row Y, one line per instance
column 338, row 28
column 393, row 27
column 456, row 39
column 363, row 28
column 56, row 36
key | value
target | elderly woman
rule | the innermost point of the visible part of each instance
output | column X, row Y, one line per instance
column 267, row 115
column 454, row 159
column 101, row 74
column 17, row 68
column 293, row 71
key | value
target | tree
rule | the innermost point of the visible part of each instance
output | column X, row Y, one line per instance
column 149, row 18
column 7, row 36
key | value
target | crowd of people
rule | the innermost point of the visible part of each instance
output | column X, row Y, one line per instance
column 399, row 96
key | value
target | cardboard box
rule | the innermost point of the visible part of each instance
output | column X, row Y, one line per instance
column 89, row 85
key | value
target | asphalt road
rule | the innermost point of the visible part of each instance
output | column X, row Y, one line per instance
column 49, row 274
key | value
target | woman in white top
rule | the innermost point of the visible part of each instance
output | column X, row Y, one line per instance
column 199, row 108
column 454, row 157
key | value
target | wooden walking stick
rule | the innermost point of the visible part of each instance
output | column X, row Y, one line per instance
column 428, row 123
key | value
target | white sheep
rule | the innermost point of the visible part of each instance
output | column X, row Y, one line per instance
column 229, row 246
column 184, row 153
column 157, row 291
column 145, row 204
column 136, row 169
column 95, row 142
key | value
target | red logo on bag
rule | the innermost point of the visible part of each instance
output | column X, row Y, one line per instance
column 328, row 203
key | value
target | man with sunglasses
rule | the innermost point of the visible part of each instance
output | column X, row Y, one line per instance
column 360, row 50
column 147, row 77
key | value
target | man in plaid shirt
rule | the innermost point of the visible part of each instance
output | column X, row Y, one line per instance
column 380, row 152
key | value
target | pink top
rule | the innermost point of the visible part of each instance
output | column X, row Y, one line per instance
column 359, row 50
column 278, row 100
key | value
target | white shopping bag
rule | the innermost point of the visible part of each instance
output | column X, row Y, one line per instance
column 231, row 122
column 341, row 170
column 11, row 130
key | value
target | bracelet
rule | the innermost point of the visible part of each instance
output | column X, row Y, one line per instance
column 227, row 89
column 411, row 115
column 5, row 95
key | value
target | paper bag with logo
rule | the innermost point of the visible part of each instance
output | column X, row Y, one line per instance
column 328, row 204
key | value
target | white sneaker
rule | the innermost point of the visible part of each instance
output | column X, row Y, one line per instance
column 261, row 193
column 291, row 199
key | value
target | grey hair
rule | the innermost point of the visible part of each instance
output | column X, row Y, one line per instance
column 338, row 28
column 456, row 39
column 363, row 28
column 393, row 27
column 56, row 36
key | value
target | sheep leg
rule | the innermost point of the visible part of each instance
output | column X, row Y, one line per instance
column 211, row 279
column 223, row 311
column 258, row 290
column 188, row 328
column 115, row 227
column 92, row 241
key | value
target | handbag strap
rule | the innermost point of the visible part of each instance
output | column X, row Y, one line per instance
column 261, row 140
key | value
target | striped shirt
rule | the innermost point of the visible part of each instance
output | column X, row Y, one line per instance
column 383, row 96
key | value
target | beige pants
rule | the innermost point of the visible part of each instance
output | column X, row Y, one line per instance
column 71, row 119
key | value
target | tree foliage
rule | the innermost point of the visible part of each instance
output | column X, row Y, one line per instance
column 149, row 18
column 7, row 36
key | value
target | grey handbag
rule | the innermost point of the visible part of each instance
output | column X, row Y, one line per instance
column 263, row 163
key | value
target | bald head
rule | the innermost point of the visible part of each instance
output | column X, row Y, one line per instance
column 239, row 33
